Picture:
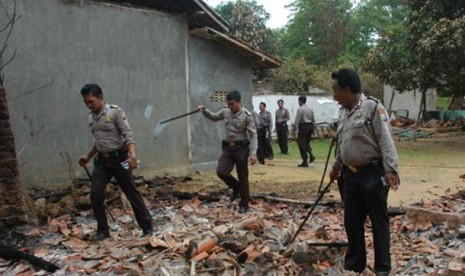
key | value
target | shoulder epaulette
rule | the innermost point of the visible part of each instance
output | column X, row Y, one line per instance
column 373, row 99
column 113, row 106
column 247, row 112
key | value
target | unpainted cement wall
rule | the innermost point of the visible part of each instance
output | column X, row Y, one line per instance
column 137, row 56
column 409, row 100
column 213, row 68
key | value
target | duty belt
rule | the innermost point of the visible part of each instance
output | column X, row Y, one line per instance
column 360, row 169
column 114, row 154
column 236, row 144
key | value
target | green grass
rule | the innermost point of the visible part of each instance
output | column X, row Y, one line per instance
column 409, row 152
column 320, row 149
column 441, row 103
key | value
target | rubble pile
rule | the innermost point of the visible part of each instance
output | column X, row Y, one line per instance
column 203, row 235
column 433, row 124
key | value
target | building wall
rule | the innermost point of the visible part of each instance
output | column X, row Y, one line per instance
column 325, row 108
column 137, row 56
column 213, row 68
column 409, row 100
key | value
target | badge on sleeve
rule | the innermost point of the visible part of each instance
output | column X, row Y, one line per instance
column 383, row 115
column 122, row 115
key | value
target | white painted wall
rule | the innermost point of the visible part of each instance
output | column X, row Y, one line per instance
column 324, row 107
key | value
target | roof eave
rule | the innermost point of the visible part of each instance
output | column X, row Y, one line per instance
column 258, row 59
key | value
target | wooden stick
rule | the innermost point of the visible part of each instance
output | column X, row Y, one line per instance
column 10, row 253
column 288, row 200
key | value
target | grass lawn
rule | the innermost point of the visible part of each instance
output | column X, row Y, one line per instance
column 409, row 152
column 320, row 149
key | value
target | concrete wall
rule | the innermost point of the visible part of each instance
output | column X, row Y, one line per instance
column 409, row 100
column 213, row 68
column 137, row 56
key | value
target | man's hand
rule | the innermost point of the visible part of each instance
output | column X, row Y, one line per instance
column 393, row 180
column 83, row 160
column 201, row 108
column 253, row 160
column 132, row 162
column 334, row 174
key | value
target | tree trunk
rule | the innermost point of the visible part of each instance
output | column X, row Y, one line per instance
column 391, row 101
column 13, row 200
column 457, row 101
column 420, row 111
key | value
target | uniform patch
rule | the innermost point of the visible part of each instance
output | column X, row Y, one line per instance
column 383, row 115
column 122, row 115
column 107, row 119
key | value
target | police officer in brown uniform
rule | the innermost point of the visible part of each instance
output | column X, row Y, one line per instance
column 239, row 145
column 265, row 126
column 305, row 125
column 115, row 152
column 282, row 131
column 367, row 158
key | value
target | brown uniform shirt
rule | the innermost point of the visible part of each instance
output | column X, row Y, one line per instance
column 110, row 128
column 239, row 126
column 364, row 134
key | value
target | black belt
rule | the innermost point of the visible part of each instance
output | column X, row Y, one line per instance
column 236, row 144
column 114, row 154
column 365, row 168
column 305, row 124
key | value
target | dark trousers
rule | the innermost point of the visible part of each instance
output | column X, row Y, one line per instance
column 240, row 157
column 261, row 148
column 303, row 141
column 365, row 195
column 283, row 132
column 268, row 147
column 104, row 170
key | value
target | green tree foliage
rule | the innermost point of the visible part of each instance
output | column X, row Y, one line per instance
column 369, row 21
column 317, row 30
column 293, row 77
column 428, row 53
column 248, row 22
column 437, row 30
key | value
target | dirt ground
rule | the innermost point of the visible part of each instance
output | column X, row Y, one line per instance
column 429, row 169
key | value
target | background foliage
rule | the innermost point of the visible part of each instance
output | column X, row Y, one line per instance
column 408, row 44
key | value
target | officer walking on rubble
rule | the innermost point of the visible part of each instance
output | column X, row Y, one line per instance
column 367, row 158
column 115, row 156
column 239, row 145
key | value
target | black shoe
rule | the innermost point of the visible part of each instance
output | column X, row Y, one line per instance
column 243, row 209
column 270, row 158
column 147, row 232
column 234, row 195
column 312, row 158
column 382, row 273
column 303, row 165
column 102, row 235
